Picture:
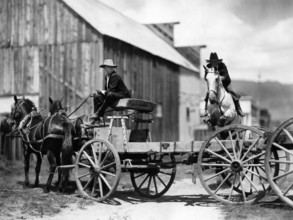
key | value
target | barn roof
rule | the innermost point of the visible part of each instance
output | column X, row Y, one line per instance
column 112, row 23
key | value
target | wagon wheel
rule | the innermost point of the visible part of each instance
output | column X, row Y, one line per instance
column 230, row 167
column 261, row 160
column 154, row 181
column 282, row 142
column 97, row 170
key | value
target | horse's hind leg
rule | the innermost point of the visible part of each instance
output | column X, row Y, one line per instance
column 26, row 167
column 53, row 165
column 38, row 169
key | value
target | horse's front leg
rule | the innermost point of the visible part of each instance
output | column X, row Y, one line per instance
column 38, row 168
column 227, row 117
column 26, row 155
column 53, row 165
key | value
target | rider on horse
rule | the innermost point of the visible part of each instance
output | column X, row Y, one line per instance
column 218, row 65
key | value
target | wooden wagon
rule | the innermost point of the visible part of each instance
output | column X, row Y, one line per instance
column 230, row 164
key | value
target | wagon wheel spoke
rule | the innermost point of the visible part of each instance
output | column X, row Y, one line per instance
column 288, row 135
column 224, row 148
column 139, row 175
column 94, row 155
column 215, row 165
column 89, row 158
column 100, row 153
column 94, row 186
column 108, row 165
column 108, row 173
column 250, row 148
column 227, row 177
column 87, row 184
column 217, row 174
column 282, row 175
column 259, row 176
column 143, row 181
column 149, row 184
column 241, row 144
column 155, row 183
column 282, row 148
column 254, row 157
column 243, row 193
column 101, row 187
column 250, row 181
column 161, row 181
column 169, row 174
column 84, row 175
column 84, row 165
column 104, row 159
column 288, row 189
column 233, row 145
column 237, row 187
column 218, row 155
column 232, row 186
column 105, row 181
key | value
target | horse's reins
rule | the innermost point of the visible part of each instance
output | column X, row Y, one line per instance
column 91, row 95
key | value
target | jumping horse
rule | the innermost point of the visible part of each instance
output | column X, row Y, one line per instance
column 221, row 108
column 51, row 135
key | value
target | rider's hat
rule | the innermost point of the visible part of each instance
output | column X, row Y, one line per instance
column 214, row 58
column 108, row 62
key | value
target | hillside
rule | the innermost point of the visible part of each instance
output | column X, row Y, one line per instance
column 276, row 97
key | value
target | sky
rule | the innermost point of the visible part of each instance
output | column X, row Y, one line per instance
column 253, row 37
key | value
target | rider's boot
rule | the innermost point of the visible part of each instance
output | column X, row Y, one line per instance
column 238, row 108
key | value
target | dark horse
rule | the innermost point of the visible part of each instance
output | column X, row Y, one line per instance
column 51, row 136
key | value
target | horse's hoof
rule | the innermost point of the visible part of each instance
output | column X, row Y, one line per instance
column 46, row 190
column 36, row 185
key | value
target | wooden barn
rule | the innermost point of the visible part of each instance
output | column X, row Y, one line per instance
column 53, row 48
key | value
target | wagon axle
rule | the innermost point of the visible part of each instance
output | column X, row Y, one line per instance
column 236, row 166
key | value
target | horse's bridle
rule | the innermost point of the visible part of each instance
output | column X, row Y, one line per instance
column 217, row 92
column 18, row 107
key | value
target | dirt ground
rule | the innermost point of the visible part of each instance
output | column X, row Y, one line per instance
column 183, row 200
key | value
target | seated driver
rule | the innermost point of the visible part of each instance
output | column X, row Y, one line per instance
column 114, row 90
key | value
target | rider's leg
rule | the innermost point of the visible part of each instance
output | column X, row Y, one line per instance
column 236, row 98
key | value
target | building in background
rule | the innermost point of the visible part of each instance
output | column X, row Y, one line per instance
column 53, row 48
column 189, row 82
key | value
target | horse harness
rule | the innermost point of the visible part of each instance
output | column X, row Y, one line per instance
column 26, row 126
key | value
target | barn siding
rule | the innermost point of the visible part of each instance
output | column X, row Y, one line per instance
column 47, row 49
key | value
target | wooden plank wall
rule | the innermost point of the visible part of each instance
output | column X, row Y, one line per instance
column 47, row 48
column 151, row 78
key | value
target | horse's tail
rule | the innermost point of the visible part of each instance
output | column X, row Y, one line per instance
column 67, row 148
